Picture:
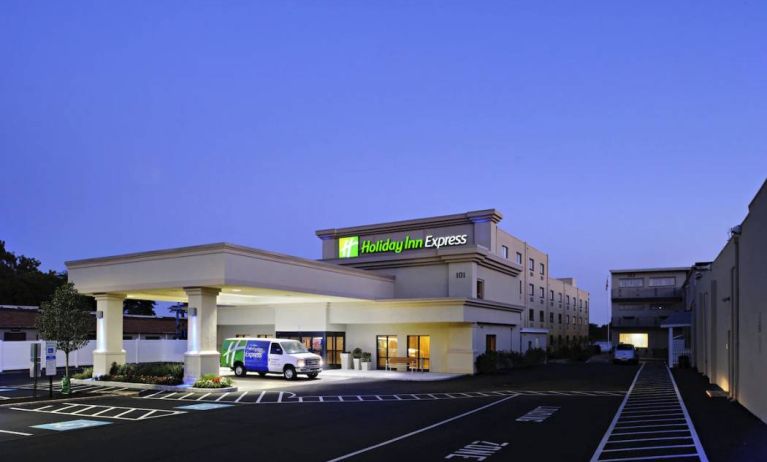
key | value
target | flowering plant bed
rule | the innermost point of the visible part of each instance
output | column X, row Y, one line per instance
column 212, row 381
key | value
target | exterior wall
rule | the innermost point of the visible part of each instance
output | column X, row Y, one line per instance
column 752, row 315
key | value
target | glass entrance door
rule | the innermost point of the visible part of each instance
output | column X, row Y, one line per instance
column 386, row 347
column 419, row 350
column 328, row 345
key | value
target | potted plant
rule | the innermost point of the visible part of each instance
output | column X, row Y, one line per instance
column 346, row 360
column 365, row 361
column 357, row 356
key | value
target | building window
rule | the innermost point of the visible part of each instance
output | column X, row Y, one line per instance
column 531, row 265
column 532, row 290
column 541, row 316
column 560, row 297
column 520, row 286
column 587, row 306
column 386, row 347
column 551, row 318
column 489, row 343
column 631, row 282
column 480, row 289
column 567, row 319
column 418, row 350
column 531, row 315
column 504, row 251
column 560, row 319
column 639, row 340
column 661, row 282
column 543, row 268
column 567, row 297
column 551, row 295
column 519, row 258
column 542, row 292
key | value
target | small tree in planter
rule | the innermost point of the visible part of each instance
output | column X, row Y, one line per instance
column 365, row 361
column 356, row 357
column 65, row 320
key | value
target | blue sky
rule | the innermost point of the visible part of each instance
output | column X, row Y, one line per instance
column 610, row 134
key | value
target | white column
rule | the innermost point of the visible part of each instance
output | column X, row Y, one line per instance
column 670, row 347
column 109, row 333
column 201, row 356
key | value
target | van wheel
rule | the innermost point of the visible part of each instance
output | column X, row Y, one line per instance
column 312, row 375
column 239, row 370
column 289, row 373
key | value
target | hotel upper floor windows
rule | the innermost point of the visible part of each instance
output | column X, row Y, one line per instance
column 531, row 264
column 520, row 286
column 551, row 295
column 560, row 317
column 480, row 289
column 631, row 282
column 519, row 258
column 504, row 251
column 531, row 315
column 542, row 292
column 543, row 268
column 551, row 318
column 661, row 282
column 532, row 290
column 541, row 316
column 567, row 298
column 560, row 297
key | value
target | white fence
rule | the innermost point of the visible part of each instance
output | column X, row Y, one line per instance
column 15, row 355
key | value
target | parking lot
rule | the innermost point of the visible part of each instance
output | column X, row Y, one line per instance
column 555, row 412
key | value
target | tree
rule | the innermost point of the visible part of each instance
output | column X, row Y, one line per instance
column 22, row 282
column 65, row 320
column 141, row 307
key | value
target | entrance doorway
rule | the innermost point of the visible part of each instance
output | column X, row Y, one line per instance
column 328, row 345
column 419, row 350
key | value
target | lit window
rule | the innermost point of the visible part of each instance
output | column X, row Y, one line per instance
column 639, row 340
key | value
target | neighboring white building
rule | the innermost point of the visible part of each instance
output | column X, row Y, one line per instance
column 438, row 290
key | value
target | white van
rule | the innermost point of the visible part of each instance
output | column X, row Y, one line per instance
column 265, row 355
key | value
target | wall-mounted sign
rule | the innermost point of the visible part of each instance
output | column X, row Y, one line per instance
column 352, row 246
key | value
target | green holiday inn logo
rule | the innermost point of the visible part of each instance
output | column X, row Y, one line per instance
column 351, row 246
column 348, row 247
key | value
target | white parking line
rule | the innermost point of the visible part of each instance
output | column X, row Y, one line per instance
column 16, row 433
column 421, row 430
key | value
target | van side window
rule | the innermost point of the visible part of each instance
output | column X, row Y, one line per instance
column 276, row 349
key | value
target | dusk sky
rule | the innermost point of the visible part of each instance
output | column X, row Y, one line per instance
column 609, row 134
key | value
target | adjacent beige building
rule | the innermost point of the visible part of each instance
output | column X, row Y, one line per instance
column 438, row 291
column 728, row 300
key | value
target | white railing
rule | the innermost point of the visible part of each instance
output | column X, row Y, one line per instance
column 15, row 355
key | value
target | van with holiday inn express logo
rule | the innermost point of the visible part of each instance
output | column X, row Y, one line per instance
column 269, row 355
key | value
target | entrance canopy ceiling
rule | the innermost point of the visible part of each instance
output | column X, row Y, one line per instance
column 246, row 276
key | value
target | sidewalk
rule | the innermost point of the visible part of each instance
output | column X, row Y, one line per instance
column 390, row 375
column 726, row 429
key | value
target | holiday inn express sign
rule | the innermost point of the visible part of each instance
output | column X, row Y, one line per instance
column 353, row 246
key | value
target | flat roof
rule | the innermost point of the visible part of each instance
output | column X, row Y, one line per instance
column 418, row 223
column 652, row 270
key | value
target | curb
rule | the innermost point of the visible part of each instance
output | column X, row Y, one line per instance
column 150, row 386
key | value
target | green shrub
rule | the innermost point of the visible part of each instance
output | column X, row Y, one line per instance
column 153, row 373
column 487, row 363
column 534, row 356
column 212, row 381
column 84, row 374
column 357, row 353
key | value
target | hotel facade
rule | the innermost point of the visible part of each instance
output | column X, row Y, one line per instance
column 439, row 291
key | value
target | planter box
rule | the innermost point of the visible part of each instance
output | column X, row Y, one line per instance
column 356, row 363
column 365, row 366
column 150, row 386
column 346, row 360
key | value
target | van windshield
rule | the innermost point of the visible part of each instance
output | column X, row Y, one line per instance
column 293, row 347
column 625, row 347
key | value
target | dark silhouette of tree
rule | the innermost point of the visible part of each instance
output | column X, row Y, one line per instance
column 142, row 307
column 22, row 282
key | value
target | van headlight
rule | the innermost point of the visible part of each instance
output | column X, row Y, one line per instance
column 300, row 363
column 322, row 363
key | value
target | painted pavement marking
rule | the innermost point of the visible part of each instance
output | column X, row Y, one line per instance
column 539, row 414
column 71, row 425
column 108, row 412
column 477, row 450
